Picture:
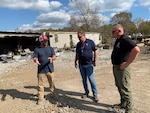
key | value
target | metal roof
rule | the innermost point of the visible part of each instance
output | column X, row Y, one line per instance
column 17, row 34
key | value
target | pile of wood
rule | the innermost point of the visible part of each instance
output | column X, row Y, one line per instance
column 147, row 42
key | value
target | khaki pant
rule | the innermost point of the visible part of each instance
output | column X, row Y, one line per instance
column 41, row 78
column 122, row 81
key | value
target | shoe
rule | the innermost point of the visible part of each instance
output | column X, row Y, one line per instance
column 129, row 110
column 85, row 95
column 96, row 98
column 120, row 106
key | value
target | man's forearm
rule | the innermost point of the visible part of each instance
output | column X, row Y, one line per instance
column 95, row 55
column 134, row 53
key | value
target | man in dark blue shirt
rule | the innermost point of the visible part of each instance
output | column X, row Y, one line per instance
column 43, row 56
column 86, row 54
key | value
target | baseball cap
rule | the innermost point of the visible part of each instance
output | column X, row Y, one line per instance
column 42, row 38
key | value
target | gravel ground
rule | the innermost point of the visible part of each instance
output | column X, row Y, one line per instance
column 19, row 95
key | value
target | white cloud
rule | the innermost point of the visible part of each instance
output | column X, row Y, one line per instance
column 109, row 5
column 145, row 3
column 113, row 6
column 39, row 5
column 117, row 5
column 53, row 20
column 47, row 19
column 58, row 19
column 112, row 14
column 55, row 15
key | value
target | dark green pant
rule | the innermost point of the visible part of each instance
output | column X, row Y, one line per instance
column 122, row 81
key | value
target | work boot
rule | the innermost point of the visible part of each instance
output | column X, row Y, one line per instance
column 128, row 110
column 119, row 106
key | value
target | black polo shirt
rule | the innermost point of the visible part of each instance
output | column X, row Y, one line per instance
column 121, row 50
column 85, row 52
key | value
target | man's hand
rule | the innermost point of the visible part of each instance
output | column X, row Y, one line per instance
column 75, row 64
column 94, row 63
column 124, row 65
column 50, row 59
column 37, row 62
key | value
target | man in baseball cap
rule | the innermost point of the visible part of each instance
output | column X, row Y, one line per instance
column 43, row 56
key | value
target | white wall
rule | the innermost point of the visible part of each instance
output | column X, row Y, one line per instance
column 64, row 38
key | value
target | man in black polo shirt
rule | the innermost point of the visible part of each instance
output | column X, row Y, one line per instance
column 123, row 54
column 86, row 54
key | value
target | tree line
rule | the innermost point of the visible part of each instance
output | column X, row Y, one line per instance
column 87, row 16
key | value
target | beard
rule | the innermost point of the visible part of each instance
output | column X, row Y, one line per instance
column 44, row 44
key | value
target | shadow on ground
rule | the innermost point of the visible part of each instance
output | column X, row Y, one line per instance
column 61, row 99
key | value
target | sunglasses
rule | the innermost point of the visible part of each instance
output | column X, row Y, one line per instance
column 113, row 31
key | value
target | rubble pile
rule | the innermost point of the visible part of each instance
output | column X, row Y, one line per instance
column 65, row 56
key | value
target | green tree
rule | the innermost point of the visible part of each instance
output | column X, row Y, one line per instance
column 138, row 21
column 124, row 18
column 144, row 28
column 106, row 32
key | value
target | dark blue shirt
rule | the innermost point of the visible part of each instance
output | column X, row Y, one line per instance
column 85, row 52
column 43, row 54
column 121, row 50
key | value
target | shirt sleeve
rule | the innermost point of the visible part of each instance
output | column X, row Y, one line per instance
column 35, row 54
column 94, row 48
column 129, row 44
column 53, row 52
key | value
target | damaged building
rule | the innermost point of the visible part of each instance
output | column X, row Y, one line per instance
column 19, row 43
column 16, row 42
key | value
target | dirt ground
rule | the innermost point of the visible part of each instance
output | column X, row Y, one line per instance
column 18, row 92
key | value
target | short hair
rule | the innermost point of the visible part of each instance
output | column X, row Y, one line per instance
column 118, row 26
column 81, row 31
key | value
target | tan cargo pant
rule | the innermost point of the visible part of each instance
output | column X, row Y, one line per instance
column 41, row 78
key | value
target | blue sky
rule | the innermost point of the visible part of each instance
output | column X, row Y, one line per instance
column 23, row 15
